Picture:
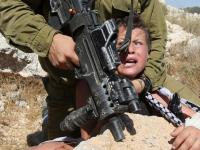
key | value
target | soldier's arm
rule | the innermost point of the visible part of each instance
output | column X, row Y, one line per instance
column 25, row 29
column 154, row 18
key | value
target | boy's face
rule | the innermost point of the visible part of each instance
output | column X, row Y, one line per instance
column 133, row 62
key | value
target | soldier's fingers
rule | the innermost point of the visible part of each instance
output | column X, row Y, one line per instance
column 53, row 60
column 68, row 65
column 75, row 59
column 65, row 66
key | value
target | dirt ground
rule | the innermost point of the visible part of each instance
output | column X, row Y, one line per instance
column 21, row 102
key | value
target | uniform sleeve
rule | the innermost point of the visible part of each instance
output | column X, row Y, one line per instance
column 154, row 18
column 25, row 29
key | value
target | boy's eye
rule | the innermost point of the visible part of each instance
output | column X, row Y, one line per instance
column 137, row 43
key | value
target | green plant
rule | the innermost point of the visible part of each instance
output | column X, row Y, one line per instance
column 192, row 9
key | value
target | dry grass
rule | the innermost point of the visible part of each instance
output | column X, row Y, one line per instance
column 16, row 122
column 188, row 23
column 183, row 62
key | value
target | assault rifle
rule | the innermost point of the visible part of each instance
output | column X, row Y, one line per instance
column 111, row 95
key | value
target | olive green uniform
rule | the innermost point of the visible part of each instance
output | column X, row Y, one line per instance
column 25, row 28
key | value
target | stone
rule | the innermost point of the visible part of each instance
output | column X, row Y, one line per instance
column 152, row 133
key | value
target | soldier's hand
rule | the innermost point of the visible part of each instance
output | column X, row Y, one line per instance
column 62, row 52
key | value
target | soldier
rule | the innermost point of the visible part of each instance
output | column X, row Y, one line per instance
column 23, row 23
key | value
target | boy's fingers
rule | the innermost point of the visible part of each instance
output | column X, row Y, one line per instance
column 177, row 131
column 180, row 138
column 187, row 143
column 196, row 145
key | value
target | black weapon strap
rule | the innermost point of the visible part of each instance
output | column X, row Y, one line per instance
column 91, row 4
column 126, row 42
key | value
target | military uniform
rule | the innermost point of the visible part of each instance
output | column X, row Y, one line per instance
column 24, row 26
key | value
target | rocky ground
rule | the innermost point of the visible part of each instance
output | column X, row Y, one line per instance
column 21, row 101
column 142, row 132
column 21, row 96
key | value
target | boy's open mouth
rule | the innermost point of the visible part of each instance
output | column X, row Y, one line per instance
column 130, row 62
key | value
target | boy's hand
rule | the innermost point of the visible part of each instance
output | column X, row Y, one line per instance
column 62, row 52
column 186, row 138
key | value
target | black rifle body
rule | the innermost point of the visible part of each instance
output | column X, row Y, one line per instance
column 111, row 95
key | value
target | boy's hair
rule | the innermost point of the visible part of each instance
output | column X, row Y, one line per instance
column 137, row 23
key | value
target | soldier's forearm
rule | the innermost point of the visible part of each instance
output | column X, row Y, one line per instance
column 25, row 29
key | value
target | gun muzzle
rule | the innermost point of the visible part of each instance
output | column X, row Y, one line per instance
column 116, row 127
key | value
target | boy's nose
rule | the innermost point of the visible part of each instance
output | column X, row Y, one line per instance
column 131, row 48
